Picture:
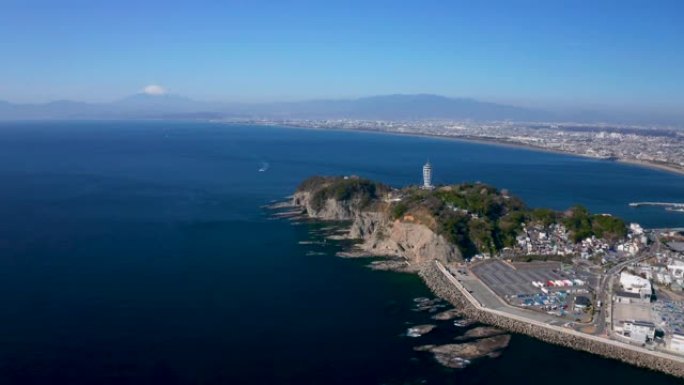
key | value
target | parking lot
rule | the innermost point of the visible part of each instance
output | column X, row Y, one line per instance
column 514, row 283
column 508, row 279
column 669, row 315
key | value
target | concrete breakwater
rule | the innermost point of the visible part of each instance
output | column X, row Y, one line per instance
column 440, row 284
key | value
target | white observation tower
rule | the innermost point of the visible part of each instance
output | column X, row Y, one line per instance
column 427, row 176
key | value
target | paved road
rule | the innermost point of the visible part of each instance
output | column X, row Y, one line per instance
column 605, row 287
column 485, row 300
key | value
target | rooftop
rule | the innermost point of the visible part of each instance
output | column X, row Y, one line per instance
column 627, row 295
column 582, row 300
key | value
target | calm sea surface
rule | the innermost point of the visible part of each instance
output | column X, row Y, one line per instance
column 138, row 253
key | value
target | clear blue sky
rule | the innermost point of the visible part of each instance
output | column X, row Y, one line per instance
column 545, row 52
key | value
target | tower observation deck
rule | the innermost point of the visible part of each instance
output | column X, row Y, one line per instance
column 427, row 176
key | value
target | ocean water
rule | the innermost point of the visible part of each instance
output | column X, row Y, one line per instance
column 139, row 253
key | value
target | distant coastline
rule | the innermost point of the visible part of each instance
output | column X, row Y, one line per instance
column 633, row 162
column 482, row 140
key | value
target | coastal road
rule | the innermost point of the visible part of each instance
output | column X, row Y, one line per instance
column 483, row 299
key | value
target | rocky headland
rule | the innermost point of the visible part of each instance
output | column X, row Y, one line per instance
column 414, row 228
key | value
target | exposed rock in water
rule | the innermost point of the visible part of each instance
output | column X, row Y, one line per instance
column 281, row 205
column 424, row 348
column 447, row 315
column 337, row 237
column 419, row 330
column 314, row 253
column 480, row 332
column 463, row 323
column 453, row 355
column 288, row 214
column 389, row 265
column 429, row 305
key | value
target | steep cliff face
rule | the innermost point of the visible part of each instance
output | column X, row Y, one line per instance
column 329, row 210
column 381, row 236
column 414, row 242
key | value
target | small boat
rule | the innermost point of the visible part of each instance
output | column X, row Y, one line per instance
column 264, row 167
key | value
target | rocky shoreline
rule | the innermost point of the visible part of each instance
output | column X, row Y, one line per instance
column 440, row 286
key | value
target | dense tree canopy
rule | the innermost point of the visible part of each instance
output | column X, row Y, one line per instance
column 362, row 191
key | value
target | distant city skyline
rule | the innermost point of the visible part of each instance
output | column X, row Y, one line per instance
column 581, row 54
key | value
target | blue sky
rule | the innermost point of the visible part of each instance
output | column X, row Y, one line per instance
column 544, row 53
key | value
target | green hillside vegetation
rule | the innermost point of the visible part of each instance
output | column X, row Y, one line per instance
column 583, row 224
column 476, row 217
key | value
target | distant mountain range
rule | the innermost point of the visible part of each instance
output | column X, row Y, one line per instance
column 386, row 107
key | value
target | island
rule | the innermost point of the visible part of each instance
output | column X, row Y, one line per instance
column 571, row 277
column 453, row 223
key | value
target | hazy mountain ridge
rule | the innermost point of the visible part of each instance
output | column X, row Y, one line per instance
column 389, row 107
column 383, row 107
column 409, row 107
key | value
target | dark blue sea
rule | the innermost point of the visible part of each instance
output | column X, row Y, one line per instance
column 139, row 253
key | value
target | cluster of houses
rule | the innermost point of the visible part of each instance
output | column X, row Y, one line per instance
column 538, row 240
column 667, row 270
column 635, row 242
column 556, row 240
column 670, row 273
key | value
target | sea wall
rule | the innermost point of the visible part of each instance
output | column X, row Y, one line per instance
column 442, row 287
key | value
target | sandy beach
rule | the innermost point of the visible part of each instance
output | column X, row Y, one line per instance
column 489, row 141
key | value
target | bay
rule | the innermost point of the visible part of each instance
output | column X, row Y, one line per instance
column 139, row 253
